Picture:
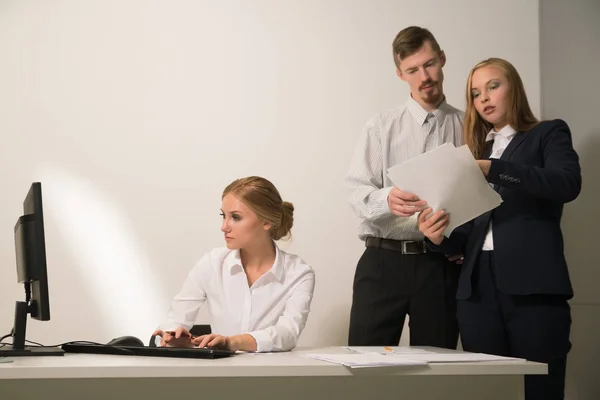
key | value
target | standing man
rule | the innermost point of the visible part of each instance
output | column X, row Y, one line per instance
column 396, row 275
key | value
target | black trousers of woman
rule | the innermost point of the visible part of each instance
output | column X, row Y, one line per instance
column 535, row 327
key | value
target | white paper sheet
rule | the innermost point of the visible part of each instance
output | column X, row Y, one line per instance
column 366, row 360
column 385, row 350
column 456, row 357
column 447, row 178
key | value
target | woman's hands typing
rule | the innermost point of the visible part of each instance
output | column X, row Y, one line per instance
column 180, row 337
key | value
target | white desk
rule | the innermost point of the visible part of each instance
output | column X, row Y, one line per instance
column 288, row 376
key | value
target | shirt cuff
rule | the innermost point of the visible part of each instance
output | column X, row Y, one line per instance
column 381, row 201
column 264, row 342
column 168, row 327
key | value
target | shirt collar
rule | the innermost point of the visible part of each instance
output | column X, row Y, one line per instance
column 507, row 133
column 421, row 114
column 233, row 262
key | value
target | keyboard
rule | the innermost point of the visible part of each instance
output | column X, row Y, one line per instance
column 145, row 351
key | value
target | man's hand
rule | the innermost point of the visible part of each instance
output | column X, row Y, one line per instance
column 404, row 204
column 433, row 227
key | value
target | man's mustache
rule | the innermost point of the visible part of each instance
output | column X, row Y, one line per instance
column 427, row 83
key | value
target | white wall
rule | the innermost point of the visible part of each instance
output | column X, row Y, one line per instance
column 569, row 43
column 136, row 114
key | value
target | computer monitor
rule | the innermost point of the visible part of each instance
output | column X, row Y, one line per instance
column 30, row 248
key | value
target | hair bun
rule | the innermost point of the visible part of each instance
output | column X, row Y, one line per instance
column 262, row 197
column 287, row 221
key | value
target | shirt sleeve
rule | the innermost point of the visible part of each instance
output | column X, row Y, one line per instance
column 187, row 303
column 283, row 336
column 364, row 181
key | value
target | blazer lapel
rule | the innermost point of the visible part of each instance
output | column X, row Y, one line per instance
column 512, row 146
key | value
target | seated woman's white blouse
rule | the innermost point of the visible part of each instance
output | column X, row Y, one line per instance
column 273, row 310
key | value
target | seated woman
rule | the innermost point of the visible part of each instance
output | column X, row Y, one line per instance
column 258, row 295
column 514, row 283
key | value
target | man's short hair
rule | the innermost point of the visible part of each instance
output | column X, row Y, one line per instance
column 411, row 39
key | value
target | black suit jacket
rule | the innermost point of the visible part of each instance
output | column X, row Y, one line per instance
column 538, row 172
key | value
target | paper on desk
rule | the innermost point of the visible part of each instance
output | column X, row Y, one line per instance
column 366, row 360
column 457, row 357
column 385, row 350
column 447, row 178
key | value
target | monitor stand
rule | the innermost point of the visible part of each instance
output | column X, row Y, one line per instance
column 18, row 348
column 28, row 351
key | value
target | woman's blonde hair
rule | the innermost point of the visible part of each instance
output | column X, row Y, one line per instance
column 264, row 199
column 518, row 115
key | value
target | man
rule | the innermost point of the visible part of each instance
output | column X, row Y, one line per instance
column 396, row 275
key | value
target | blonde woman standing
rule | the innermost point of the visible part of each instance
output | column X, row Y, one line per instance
column 514, row 284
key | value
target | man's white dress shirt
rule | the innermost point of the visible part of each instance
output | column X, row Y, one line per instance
column 391, row 138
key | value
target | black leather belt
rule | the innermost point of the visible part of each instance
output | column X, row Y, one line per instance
column 403, row 246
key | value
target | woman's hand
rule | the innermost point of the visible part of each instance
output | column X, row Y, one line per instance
column 484, row 165
column 211, row 340
column 180, row 337
column 433, row 227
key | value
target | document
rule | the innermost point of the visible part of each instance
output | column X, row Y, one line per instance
column 447, row 178
column 405, row 358
column 366, row 360
column 385, row 350
column 457, row 357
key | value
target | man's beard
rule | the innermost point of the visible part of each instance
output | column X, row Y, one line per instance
column 431, row 97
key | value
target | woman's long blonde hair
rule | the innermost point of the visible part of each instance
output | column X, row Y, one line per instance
column 518, row 116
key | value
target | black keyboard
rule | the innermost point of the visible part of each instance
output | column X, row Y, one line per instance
column 146, row 351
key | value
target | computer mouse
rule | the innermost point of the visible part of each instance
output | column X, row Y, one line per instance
column 126, row 341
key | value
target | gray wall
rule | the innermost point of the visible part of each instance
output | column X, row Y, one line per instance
column 570, row 68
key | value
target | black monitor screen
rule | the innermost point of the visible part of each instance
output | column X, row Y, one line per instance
column 30, row 250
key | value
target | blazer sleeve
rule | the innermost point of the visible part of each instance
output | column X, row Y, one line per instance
column 454, row 244
column 560, row 177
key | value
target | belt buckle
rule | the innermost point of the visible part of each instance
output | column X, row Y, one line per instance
column 405, row 249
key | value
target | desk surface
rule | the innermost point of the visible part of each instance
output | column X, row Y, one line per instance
column 286, row 364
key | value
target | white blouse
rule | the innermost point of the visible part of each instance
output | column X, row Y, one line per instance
column 273, row 310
